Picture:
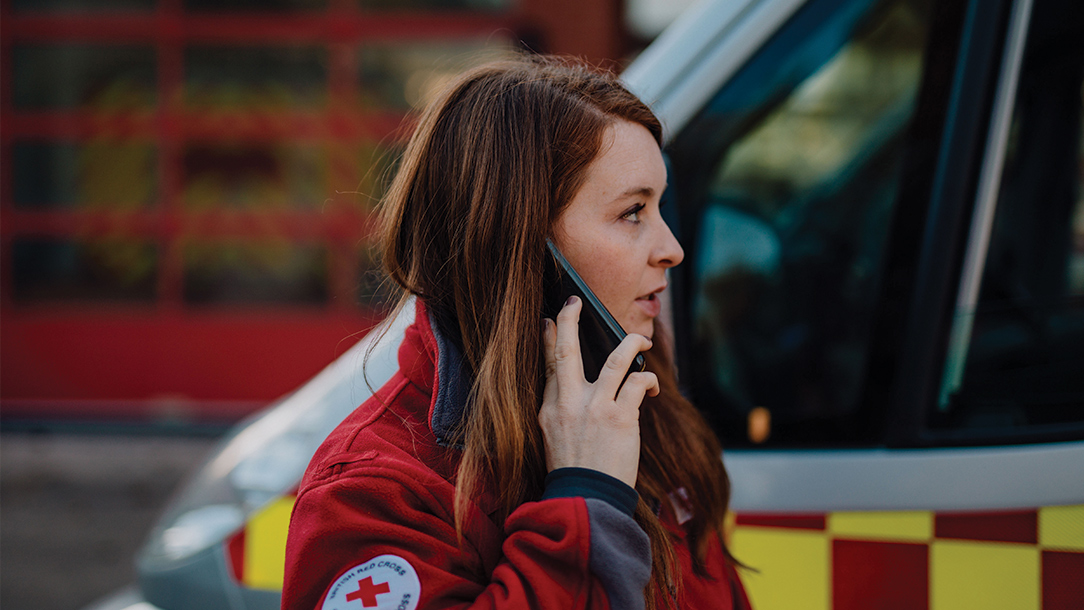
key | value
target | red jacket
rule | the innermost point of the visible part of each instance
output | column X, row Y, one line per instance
column 373, row 525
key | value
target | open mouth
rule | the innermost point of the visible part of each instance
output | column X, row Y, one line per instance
column 650, row 304
column 653, row 295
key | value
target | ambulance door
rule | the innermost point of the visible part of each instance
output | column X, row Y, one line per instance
column 881, row 310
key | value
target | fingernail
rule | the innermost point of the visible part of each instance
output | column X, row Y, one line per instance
column 546, row 323
column 572, row 299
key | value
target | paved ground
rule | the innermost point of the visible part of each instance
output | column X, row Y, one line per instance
column 74, row 509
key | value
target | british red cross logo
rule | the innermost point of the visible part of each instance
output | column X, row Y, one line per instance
column 367, row 592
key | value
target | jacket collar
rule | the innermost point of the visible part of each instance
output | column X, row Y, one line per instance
column 434, row 363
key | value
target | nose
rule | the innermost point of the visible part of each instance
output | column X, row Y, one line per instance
column 667, row 251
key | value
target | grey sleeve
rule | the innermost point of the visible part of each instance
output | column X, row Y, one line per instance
column 620, row 555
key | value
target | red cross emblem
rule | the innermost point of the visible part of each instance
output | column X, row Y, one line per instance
column 367, row 592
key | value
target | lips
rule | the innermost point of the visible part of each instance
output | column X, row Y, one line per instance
column 650, row 303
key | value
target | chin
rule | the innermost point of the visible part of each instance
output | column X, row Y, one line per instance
column 646, row 329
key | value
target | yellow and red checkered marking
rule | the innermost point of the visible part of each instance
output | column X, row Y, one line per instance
column 257, row 553
column 1019, row 560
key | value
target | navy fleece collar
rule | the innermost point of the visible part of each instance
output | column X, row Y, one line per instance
column 452, row 387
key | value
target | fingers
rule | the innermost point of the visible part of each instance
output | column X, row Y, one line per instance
column 636, row 386
column 590, row 425
column 566, row 352
column 619, row 361
column 564, row 363
column 549, row 343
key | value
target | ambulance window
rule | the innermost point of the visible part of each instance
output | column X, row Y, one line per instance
column 1023, row 368
column 786, row 182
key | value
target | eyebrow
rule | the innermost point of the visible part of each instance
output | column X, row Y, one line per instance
column 642, row 191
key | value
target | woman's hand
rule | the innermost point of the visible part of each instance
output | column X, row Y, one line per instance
column 592, row 425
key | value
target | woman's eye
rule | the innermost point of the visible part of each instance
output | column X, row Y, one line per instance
column 633, row 214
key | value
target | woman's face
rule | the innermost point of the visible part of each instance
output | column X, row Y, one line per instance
column 612, row 231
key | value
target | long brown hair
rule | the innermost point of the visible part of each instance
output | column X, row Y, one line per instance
column 492, row 163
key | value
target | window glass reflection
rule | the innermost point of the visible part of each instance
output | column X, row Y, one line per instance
column 866, row 90
column 1023, row 357
column 1075, row 268
column 790, row 177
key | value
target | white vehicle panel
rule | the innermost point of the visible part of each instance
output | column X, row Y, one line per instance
column 991, row 478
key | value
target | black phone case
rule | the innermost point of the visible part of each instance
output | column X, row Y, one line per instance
column 599, row 331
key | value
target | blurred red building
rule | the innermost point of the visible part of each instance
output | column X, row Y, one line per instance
column 186, row 185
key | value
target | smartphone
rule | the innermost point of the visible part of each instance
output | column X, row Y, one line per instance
column 599, row 331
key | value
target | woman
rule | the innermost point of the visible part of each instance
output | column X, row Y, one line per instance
column 488, row 473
